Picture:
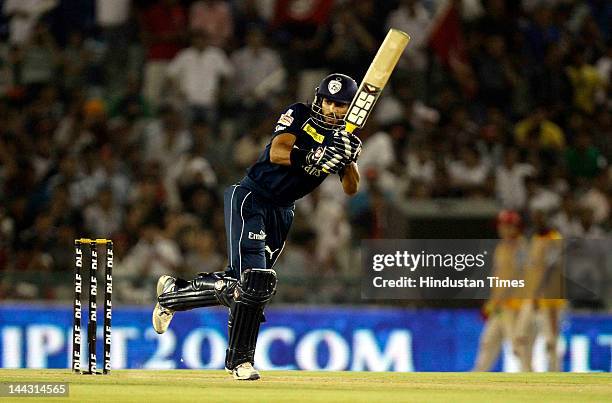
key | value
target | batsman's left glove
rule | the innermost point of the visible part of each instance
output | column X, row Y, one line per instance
column 347, row 143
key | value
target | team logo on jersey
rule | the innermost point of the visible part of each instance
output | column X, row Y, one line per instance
column 334, row 86
column 313, row 170
column 259, row 237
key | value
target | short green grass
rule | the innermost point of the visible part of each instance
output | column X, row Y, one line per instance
column 302, row 386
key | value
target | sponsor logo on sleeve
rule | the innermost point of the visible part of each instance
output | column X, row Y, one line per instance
column 286, row 119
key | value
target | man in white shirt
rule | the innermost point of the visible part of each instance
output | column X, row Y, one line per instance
column 24, row 14
column 197, row 72
column 259, row 70
column 260, row 77
column 468, row 173
column 165, row 139
column 510, row 181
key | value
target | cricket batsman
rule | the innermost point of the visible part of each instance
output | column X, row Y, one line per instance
column 502, row 307
column 308, row 144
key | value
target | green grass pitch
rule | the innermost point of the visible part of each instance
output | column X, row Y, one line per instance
column 302, row 386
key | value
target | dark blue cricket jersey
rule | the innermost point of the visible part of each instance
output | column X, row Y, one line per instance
column 283, row 185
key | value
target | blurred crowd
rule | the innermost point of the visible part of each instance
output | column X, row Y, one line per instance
column 125, row 119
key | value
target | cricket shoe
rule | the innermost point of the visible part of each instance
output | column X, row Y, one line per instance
column 163, row 316
column 245, row 372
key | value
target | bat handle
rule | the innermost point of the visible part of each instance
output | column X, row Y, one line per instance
column 350, row 127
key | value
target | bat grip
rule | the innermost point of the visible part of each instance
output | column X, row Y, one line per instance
column 350, row 127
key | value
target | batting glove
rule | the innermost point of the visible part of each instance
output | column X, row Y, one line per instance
column 348, row 144
column 333, row 160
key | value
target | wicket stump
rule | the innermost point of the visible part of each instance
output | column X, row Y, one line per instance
column 92, row 324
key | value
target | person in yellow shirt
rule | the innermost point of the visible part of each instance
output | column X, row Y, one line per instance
column 585, row 80
column 502, row 308
column 536, row 131
column 541, row 310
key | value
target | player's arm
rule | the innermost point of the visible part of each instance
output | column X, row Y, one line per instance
column 280, row 150
column 284, row 152
column 350, row 179
column 552, row 259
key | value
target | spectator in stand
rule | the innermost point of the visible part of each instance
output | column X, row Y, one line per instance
column 495, row 73
column 152, row 255
column 604, row 68
column 24, row 15
column 566, row 221
column 166, row 139
column 196, row 73
column 401, row 105
column 190, row 168
column 583, row 159
column 597, row 198
column 103, row 218
column 112, row 19
column 587, row 227
column 214, row 18
column 163, row 30
column 586, row 82
column 76, row 61
column 350, row 43
column 510, row 180
column 249, row 13
column 300, row 32
column 539, row 133
column 540, row 198
column 469, row 173
column 541, row 32
column 420, row 165
column 494, row 134
column 203, row 255
column 412, row 16
column 40, row 57
column 549, row 81
column 259, row 76
column 130, row 103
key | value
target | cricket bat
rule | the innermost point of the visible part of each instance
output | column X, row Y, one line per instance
column 376, row 78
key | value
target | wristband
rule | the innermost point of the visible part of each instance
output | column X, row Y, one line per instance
column 297, row 157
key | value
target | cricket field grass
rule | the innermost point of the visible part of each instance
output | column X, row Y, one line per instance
column 301, row 386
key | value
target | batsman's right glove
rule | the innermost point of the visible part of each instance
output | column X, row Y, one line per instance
column 334, row 160
column 347, row 143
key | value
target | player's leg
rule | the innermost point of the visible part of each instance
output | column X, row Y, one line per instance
column 207, row 289
column 257, row 285
column 278, row 223
column 253, row 292
column 177, row 294
column 490, row 343
column 550, row 316
column 524, row 335
column 508, row 318
column 246, row 234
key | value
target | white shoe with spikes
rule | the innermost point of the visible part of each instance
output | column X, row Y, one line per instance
column 163, row 316
column 245, row 372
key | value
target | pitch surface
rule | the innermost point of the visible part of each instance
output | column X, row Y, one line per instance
column 301, row 386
